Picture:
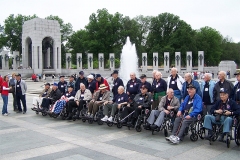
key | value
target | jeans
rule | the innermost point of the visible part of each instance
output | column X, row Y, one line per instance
column 5, row 103
column 23, row 99
column 226, row 121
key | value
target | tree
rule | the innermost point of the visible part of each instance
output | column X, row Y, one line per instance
column 13, row 31
column 2, row 37
column 209, row 40
column 66, row 31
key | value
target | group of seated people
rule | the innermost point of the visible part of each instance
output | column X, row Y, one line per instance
column 140, row 96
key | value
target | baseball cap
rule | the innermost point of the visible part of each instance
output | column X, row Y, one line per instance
column 90, row 76
column 191, row 86
column 223, row 90
column 47, row 84
column 143, row 76
column 98, row 75
column 81, row 73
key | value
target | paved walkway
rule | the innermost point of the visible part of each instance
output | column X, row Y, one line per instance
column 32, row 136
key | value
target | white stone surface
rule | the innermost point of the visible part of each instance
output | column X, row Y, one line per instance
column 90, row 61
column 228, row 66
column 178, row 61
column 155, row 61
column 189, row 61
column 79, row 64
column 166, row 61
column 200, row 60
column 101, row 61
column 112, row 63
column 144, row 62
column 5, row 64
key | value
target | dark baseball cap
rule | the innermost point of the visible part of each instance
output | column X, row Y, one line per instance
column 115, row 72
column 62, row 76
column 144, row 87
column 98, row 75
column 71, row 86
column 47, row 84
column 72, row 76
column 223, row 90
column 81, row 73
column 191, row 86
column 143, row 76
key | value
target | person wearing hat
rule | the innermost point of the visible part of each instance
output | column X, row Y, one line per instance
column 100, row 80
column 64, row 101
column 132, row 86
column 141, row 101
column 55, row 95
column 62, row 84
column 82, row 96
column 91, row 83
column 20, row 90
column 116, row 83
column 175, row 82
column 81, row 79
column 187, row 113
column 99, row 97
column 236, row 90
column 71, row 83
column 221, row 113
column 37, row 101
column 222, row 83
column 144, row 82
column 167, row 104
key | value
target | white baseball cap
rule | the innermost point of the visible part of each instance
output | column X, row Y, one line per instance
column 90, row 76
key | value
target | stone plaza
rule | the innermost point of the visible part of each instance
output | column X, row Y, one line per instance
column 31, row 136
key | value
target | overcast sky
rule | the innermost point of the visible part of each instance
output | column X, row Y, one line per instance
column 223, row 15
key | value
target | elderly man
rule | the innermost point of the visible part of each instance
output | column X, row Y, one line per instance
column 167, row 104
column 37, row 101
column 62, row 84
column 175, row 82
column 188, row 81
column 222, row 109
column 82, row 96
column 91, row 83
column 54, row 95
column 222, row 83
column 116, row 83
column 132, row 86
column 144, row 82
column 140, row 102
column 70, row 83
column 207, row 86
column 187, row 113
column 120, row 99
column 81, row 79
column 99, row 97
column 236, row 90
column 20, row 90
column 100, row 80
column 159, row 88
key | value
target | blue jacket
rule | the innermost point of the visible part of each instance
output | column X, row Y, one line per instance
column 196, row 84
column 211, row 87
column 197, row 105
column 231, row 106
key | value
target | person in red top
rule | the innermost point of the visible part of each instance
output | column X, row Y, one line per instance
column 1, row 81
column 4, row 93
column 100, row 80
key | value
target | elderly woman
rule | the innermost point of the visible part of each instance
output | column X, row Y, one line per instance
column 99, row 97
column 82, row 96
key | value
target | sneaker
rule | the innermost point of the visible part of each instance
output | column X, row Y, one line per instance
column 110, row 119
column 104, row 119
column 24, row 112
column 5, row 114
column 169, row 138
column 154, row 126
column 175, row 140
column 19, row 112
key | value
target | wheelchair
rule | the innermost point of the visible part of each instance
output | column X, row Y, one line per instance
column 117, row 120
column 82, row 114
column 167, row 124
column 97, row 117
column 218, row 131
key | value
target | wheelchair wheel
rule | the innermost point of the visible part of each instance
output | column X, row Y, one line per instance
column 228, row 141
column 44, row 113
column 37, row 112
column 110, row 124
column 201, row 133
column 165, row 132
column 90, row 120
column 138, row 128
column 193, row 137
column 83, row 120
column 99, row 122
column 237, row 134
column 119, row 125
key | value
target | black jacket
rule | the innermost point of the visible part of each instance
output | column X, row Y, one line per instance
column 146, row 103
column 79, row 80
column 226, row 85
column 231, row 106
column 55, row 95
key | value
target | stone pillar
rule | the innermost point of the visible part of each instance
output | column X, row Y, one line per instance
column 79, row 61
column 189, row 61
column 112, row 61
column 40, row 57
column 178, row 61
column 48, row 57
column 200, row 60
column 144, row 62
column 166, row 61
column 16, row 59
column 90, row 61
column 68, row 60
column 155, row 61
column 101, row 61
column 5, row 59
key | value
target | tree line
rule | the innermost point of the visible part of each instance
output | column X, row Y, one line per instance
column 106, row 33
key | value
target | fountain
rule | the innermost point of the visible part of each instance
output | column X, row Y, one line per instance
column 129, row 61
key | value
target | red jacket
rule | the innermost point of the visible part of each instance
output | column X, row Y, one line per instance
column 5, row 92
column 103, row 81
column 1, row 81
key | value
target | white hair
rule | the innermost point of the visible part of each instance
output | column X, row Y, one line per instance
column 158, row 73
column 169, row 89
column 223, row 73
column 121, row 87
column 174, row 69
column 208, row 75
column 154, row 71
column 81, row 84
column 188, row 74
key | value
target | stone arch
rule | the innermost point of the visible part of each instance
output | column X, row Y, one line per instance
column 47, row 52
column 28, row 48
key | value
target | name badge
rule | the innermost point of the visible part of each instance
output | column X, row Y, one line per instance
column 173, row 82
column 238, row 90
column 206, row 89
column 17, row 85
column 45, row 92
column 100, row 98
column 118, row 99
column 82, row 95
column 141, row 98
column 131, row 86
column 62, row 86
column 156, row 86
column 67, row 94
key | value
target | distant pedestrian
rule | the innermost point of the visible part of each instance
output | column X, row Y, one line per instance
column 4, row 94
